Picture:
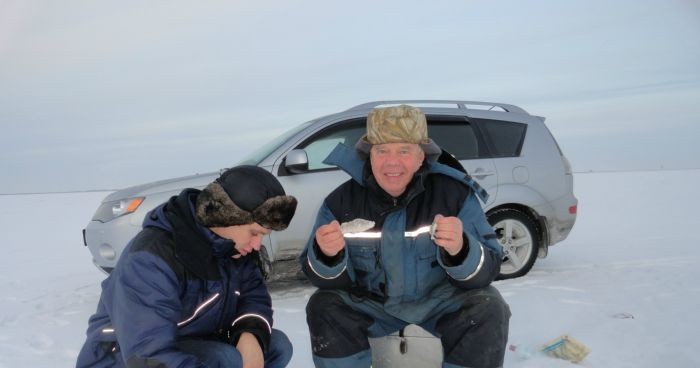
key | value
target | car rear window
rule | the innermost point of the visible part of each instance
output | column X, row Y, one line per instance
column 505, row 138
column 471, row 138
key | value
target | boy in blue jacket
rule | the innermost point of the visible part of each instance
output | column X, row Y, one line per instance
column 187, row 291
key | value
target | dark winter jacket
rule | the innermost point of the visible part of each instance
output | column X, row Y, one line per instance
column 396, row 262
column 175, row 280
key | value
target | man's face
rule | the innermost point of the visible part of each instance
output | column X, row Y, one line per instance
column 246, row 237
column 393, row 165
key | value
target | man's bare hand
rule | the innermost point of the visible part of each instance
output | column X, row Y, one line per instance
column 448, row 234
column 251, row 352
column 330, row 239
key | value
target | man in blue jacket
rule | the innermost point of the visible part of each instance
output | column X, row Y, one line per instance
column 187, row 291
column 404, row 241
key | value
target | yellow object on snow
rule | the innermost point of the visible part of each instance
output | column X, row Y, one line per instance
column 565, row 347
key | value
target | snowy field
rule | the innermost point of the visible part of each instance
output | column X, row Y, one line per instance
column 623, row 283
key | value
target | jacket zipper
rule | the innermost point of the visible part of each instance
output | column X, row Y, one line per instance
column 225, row 280
column 393, row 208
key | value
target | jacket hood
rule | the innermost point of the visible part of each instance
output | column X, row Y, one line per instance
column 196, row 246
column 156, row 218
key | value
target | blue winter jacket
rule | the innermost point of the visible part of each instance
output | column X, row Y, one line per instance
column 175, row 280
column 396, row 262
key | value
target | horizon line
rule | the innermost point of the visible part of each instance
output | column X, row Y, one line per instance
column 574, row 172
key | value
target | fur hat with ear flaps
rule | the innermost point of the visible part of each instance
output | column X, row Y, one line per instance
column 243, row 195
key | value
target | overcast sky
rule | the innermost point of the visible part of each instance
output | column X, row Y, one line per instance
column 108, row 94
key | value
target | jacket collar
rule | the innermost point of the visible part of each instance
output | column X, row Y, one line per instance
column 195, row 246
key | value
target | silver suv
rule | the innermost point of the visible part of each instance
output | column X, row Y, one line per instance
column 509, row 152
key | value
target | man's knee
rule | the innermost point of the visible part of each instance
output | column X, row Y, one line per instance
column 484, row 307
column 321, row 303
column 336, row 329
column 476, row 334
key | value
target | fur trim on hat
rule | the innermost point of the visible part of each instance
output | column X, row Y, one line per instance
column 214, row 208
column 276, row 212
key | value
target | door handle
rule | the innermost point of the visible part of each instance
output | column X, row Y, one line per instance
column 481, row 173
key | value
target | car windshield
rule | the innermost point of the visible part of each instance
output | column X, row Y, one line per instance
column 265, row 150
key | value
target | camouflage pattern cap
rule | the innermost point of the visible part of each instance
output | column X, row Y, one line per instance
column 397, row 124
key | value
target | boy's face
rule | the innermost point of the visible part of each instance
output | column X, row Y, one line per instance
column 247, row 238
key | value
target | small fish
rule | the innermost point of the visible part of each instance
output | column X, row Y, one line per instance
column 433, row 228
column 356, row 226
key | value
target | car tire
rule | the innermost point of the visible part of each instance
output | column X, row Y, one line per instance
column 517, row 233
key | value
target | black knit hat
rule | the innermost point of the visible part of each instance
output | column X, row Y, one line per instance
column 243, row 195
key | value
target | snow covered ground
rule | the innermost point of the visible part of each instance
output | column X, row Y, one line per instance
column 624, row 282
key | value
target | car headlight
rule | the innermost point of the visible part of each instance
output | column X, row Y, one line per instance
column 108, row 211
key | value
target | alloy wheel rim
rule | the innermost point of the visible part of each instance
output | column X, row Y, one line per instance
column 516, row 241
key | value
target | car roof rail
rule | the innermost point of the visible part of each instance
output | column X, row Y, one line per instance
column 473, row 105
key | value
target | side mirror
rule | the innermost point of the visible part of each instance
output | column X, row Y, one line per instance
column 296, row 161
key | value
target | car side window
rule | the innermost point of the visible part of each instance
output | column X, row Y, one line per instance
column 457, row 137
column 505, row 138
column 320, row 145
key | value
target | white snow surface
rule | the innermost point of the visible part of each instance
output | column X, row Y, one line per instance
column 623, row 283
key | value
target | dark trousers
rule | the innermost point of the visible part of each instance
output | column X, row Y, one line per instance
column 472, row 326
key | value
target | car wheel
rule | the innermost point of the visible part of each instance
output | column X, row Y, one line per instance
column 517, row 233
